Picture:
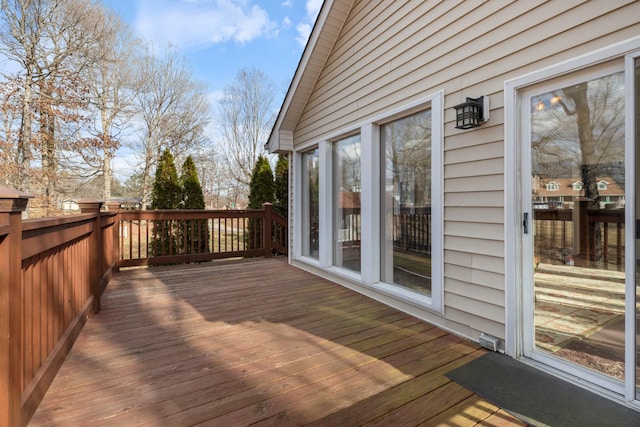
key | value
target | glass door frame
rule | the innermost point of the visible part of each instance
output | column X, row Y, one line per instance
column 530, row 349
column 632, row 384
column 518, row 337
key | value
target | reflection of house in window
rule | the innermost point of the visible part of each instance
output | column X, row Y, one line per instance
column 559, row 193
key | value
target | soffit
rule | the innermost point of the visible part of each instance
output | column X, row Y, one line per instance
column 325, row 32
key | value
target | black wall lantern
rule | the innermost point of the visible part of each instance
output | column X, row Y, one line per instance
column 471, row 113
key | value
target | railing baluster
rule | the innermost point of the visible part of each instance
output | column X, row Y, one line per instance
column 130, row 231
column 605, row 249
column 619, row 235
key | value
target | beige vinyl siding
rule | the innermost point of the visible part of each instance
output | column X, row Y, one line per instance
column 472, row 231
column 479, row 215
column 479, row 262
column 460, row 170
column 473, row 199
column 455, row 58
column 390, row 53
column 467, row 324
column 313, row 61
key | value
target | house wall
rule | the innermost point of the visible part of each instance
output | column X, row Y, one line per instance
column 390, row 53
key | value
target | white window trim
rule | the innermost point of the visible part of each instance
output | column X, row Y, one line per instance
column 370, row 203
column 630, row 200
column 435, row 102
column 326, row 207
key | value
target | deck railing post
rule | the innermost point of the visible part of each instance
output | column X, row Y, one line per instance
column 115, row 255
column 267, row 232
column 92, row 206
column 584, row 237
column 12, row 204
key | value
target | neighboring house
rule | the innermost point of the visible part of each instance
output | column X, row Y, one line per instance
column 443, row 209
column 562, row 192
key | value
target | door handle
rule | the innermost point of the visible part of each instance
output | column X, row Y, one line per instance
column 525, row 223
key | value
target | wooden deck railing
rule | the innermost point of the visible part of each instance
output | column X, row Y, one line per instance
column 185, row 236
column 54, row 270
column 52, row 273
column 412, row 229
column 595, row 237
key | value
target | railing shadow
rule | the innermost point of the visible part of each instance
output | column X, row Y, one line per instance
column 233, row 343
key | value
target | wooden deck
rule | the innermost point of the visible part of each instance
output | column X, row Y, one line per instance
column 258, row 343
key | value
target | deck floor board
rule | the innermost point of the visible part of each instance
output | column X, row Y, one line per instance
column 257, row 343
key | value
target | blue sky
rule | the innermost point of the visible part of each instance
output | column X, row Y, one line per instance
column 220, row 37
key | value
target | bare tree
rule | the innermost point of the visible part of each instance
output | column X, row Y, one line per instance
column 245, row 119
column 173, row 111
column 53, row 42
column 211, row 177
column 10, row 110
column 112, row 95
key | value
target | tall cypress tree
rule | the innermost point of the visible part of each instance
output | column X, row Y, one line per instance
column 166, row 187
column 261, row 187
column 260, row 191
column 165, row 195
column 281, row 186
column 192, row 196
column 194, row 234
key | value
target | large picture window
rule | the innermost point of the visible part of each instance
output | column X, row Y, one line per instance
column 406, row 202
column 310, row 204
column 370, row 203
column 346, row 202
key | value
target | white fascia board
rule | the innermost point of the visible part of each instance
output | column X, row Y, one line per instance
column 274, row 144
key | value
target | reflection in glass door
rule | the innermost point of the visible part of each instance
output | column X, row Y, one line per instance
column 577, row 136
column 406, row 202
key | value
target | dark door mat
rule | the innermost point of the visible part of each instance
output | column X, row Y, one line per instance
column 538, row 398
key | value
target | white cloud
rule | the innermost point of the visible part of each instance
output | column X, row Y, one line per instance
column 215, row 96
column 287, row 3
column 304, row 28
column 199, row 23
column 313, row 7
column 286, row 22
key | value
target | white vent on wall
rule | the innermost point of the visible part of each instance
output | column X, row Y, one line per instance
column 489, row 342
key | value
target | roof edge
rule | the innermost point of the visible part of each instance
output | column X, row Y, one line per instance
column 274, row 143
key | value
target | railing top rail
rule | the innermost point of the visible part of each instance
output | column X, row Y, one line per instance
column 4, row 229
column 39, row 223
column 279, row 219
column 603, row 215
column 230, row 211
column 190, row 214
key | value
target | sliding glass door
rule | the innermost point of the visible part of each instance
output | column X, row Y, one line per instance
column 579, row 213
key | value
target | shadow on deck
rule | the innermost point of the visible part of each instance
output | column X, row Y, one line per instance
column 257, row 343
